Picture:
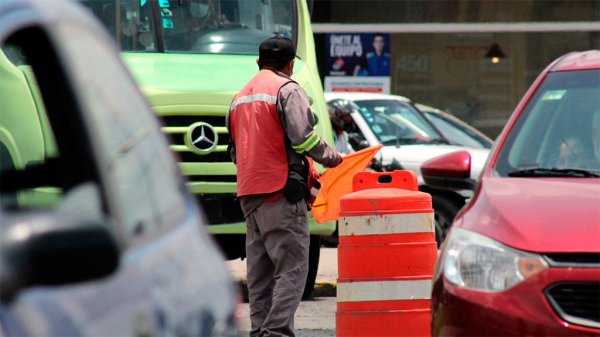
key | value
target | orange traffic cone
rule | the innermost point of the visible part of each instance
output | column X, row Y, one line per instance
column 386, row 255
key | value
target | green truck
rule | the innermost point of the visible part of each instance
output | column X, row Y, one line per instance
column 190, row 57
column 25, row 137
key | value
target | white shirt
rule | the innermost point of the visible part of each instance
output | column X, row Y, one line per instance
column 341, row 143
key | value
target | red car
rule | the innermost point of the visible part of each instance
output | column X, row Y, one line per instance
column 523, row 257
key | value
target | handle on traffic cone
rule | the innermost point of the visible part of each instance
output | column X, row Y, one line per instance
column 402, row 179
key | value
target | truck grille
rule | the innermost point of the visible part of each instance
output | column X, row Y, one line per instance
column 189, row 120
column 576, row 302
column 218, row 155
column 218, row 201
column 214, row 157
column 222, row 209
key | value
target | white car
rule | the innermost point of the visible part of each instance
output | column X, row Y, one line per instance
column 409, row 140
column 457, row 131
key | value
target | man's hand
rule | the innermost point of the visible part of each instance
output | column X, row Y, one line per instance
column 338, row 160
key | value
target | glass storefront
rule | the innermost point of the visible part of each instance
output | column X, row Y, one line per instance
column 450, row 70
column 454, row 11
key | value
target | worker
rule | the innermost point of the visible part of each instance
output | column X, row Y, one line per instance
column 272, row 137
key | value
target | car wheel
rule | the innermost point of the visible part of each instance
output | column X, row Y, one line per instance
column 314, row 254
column 332, row 240
column 7, row 164
column 444, row 210
column 440, row 233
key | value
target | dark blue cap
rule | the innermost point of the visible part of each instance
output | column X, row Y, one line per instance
column 277, row 48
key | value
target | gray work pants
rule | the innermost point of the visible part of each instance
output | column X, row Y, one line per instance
column 277, row 242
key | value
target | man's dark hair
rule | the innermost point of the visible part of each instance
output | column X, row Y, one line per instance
column 276, row 52
column 379, row 34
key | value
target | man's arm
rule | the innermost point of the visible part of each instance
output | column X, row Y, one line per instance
column 298, row 122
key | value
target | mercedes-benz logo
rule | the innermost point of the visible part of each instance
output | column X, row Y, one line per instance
column 202, row 138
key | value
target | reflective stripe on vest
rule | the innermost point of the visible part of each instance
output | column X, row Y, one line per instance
column 259, row 138
column 254, row 98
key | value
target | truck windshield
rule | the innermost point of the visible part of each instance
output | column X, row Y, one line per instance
column 194, row 26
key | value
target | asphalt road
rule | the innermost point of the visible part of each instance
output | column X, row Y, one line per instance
column 314, row 318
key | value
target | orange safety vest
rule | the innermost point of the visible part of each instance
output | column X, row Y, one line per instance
column 255, row 129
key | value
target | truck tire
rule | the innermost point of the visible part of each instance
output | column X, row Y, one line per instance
column 445, row 210
column 7, row 164
column 314, row 253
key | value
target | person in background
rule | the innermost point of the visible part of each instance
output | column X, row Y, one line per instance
column 581, row 152
column 596, row 137
column 377, row 61
column 340, row 120
column 271, row 128
column 190, row 20
column 571, row 153
column 205, row 15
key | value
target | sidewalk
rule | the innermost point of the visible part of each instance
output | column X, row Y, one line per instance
column 314, row 317
column 326, row 274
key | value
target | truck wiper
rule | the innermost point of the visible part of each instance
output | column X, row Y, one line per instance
column 553, row 172
column 231, row 25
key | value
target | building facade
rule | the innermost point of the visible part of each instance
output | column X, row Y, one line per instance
column 438, row 48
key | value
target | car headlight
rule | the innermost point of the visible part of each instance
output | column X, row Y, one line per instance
column 476, row 262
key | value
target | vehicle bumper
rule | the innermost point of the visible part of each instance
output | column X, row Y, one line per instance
column 523, row 310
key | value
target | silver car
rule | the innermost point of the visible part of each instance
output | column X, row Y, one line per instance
column 98, row 234
column 454, row 129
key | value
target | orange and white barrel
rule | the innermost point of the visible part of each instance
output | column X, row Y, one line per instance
column 386, row 255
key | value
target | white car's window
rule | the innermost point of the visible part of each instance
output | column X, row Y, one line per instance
column 45, row 159
column 28, row 151
column 141, row 170
column 456, row 133
column 397, row 122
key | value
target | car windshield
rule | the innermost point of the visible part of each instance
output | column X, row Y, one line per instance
column 194, row 26
column 458, row 133
column 558, row 133
column 396, row 122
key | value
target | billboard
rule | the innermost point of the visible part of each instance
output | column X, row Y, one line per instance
column 351, row 58
column 357, row 54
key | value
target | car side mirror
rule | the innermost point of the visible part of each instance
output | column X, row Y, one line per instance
column 357, row 141
column 53, row 248
column 451, row 171
column 363, row 144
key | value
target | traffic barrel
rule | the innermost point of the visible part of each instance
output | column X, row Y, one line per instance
column 386, row 255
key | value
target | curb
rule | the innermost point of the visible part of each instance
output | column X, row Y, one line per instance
column 322, row 289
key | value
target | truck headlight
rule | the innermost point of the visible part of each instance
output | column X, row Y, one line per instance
column 476, row 262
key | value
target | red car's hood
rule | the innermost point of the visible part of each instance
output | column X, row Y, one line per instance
column 538, row 214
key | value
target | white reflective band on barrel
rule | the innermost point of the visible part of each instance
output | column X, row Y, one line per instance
column 386, row 224
column 383, row 291
column 254, row 98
